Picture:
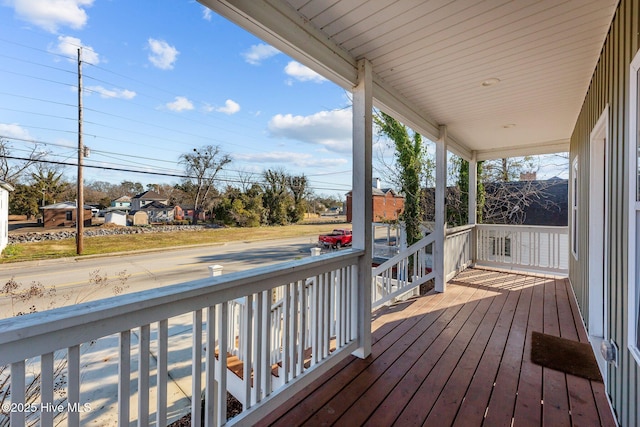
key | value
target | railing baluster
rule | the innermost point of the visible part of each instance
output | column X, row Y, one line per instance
column 258, row 359
column 196, row 371
column 161, row 381
column 339, row 308
column 293, row 329
column 286, row 332
column 46, row 389
column 73, row 386
column 124, row 378
column 304, row 324
column 246, row 338
column 18, row 390
column 266, row 340
column 328, row 316
column 210, row 366
column 221, row 371
column 143, row 376
column 315, row 305
column 353, row 299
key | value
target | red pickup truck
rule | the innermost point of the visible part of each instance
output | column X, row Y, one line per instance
column 336, row 239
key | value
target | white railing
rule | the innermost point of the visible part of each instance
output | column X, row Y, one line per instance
column 318, row 323
column 403, row 272
column 458, row 255
column 527, row 248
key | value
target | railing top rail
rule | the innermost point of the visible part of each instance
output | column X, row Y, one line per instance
column 459, row 229
column 403, row 254
column 76, row 324
column 561, row 229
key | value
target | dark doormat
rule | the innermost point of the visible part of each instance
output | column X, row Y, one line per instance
column 561, row 354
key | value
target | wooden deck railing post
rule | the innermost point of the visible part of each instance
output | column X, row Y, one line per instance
column 362, row 199
column 473, row 202
column 439, row 227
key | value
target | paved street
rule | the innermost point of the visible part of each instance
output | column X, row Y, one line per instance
column 71, row 276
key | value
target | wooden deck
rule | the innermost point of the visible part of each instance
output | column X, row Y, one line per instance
column 461, row 358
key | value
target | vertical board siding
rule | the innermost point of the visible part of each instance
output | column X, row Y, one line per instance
column 610, row 86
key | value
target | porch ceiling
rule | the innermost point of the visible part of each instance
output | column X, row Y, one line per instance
column 430, row 59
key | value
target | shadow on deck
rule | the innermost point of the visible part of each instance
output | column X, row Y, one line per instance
column 460, row 358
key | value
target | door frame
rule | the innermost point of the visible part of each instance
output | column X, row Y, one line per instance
column 598, row 240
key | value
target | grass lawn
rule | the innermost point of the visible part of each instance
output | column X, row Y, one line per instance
column 133, row 242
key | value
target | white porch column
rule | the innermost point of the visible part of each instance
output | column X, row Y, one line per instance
column 439, row 227
column 473, row 201
column 362, row 206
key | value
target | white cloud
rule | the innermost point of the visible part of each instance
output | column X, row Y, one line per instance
column 162, row 55
column 14, row 130
column 68, row 46
column 258, row 53
column 181, row 103
column 329, row 129
column 302, row 160
column 230, row 107
column 112, row 93
column 206, row 13
column 52, row 14
column 302, row 73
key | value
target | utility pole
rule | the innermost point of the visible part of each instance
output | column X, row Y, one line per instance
column 80, row 202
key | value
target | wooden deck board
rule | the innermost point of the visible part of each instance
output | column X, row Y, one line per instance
column 459, row 358
column 555, row 406
column 528, row 410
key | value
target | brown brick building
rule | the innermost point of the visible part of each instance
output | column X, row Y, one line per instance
column 64, row 215
column 387, row 204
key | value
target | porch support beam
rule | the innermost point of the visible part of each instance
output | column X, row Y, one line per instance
column 548, row 147
column 440, row 225
column 473, row 200
column 362, row 199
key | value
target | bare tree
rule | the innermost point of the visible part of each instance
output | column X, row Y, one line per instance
column 202, row 166
column 246, row 179
column 12, row 168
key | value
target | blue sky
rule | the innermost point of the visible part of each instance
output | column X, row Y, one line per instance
column 162, row 78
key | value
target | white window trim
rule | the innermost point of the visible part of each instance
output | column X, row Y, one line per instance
column 634, row 209
column 574, row 208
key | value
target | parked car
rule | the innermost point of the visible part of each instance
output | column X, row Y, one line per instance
column 336, row 239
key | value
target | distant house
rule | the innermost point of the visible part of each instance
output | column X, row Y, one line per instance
column 139, row 201
column 159, row 212
column 116, row 217
column 5, row 188
column 154, row 205
column 64, row 215
column 531, row 202
column 121, row 202
column 387, row 204
column 524, row 202
column 188, row 212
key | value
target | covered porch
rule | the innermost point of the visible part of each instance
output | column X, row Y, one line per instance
column 482, row 80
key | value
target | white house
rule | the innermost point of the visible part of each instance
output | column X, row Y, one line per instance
column 5, row 188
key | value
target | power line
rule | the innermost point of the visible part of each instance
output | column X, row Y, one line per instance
column 234, row 181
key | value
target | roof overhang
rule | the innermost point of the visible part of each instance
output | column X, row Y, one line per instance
column 505, row 78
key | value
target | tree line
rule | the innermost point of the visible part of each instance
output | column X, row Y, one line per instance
column 272, row 197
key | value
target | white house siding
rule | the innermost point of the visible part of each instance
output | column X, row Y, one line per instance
column 610, row 87
column 4, row 214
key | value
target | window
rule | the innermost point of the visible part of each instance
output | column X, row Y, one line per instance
column 574, row 208
column 633, row 277
column 69, row 216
